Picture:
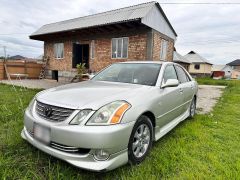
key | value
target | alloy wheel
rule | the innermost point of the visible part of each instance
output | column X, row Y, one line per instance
column 141, row 141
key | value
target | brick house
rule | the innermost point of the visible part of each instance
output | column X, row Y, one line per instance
column 140, row 32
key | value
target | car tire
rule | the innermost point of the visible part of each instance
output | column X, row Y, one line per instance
column 192, row 108
column 140, row 141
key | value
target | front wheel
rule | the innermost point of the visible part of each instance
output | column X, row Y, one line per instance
column 140, row 141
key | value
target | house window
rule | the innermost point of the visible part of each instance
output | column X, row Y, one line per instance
column 163, row 51
column 92, row 49
column 120, row 47
column 58, row 50
column 197, row 66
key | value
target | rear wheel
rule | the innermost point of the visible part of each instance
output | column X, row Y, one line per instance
column 140, row 140
column 192, row 110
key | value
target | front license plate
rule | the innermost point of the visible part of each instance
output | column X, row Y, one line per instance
column 41, row 133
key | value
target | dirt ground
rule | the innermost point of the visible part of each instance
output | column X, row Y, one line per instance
column 207, row 94
column 34, row 83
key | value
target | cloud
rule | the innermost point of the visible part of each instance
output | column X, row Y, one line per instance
column 211, row 30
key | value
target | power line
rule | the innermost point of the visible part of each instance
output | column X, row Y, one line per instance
column 15, row 34
column 202, row 3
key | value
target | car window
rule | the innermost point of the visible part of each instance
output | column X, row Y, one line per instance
column 182, row 77
column 169, row 73
column 134, row 73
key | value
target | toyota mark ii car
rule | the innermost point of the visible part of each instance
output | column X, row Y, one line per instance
column 113, row 118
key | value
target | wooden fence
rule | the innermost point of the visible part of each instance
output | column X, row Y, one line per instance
column 31, row 68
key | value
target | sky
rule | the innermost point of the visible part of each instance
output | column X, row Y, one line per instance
column 212, row 30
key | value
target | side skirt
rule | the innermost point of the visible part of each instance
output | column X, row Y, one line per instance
column 168, row 127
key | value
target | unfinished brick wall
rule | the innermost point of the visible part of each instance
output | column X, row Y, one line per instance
column 64, row 64
column 137, row 49
column 157, row 39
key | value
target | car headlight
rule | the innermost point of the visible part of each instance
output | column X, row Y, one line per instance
column 83, row 114
column 109, row 114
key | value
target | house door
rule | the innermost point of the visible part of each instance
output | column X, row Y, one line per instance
column 80, row 54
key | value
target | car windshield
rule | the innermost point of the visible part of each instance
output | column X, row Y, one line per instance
column 134, row 73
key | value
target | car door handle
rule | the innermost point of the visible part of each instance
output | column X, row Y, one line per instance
column 192, row 86
column 181, row 90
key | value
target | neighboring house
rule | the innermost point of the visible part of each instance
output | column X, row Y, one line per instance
column 178, row 58
column 140, row 32
column 228, row 71
column 224, row 68
column 199, row 65
column 235, row 64
column 235, row 74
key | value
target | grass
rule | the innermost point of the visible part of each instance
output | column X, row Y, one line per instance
column 206, row 147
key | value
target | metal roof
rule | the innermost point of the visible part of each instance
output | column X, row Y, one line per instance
column 234, row 63
column 131, row 13
column 194, row 57
column 179, row 58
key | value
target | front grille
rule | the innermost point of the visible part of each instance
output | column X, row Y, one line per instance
column 64, row 148
column 52, row 113
column 69, row 149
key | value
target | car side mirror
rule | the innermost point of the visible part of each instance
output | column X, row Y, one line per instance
column 171, row 83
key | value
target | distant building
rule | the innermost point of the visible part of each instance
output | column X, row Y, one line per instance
column 199, row 65
column 235, row 64
column 178, row 58
column 224, row 68
column 17, row 57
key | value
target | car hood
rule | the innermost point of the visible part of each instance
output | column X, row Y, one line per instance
column 90, row 94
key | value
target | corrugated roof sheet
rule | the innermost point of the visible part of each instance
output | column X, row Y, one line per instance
column 109, row 17
column 179, row 58
column 234, row 63
column 194, row 57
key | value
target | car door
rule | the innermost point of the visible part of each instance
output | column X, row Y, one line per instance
column 169, row 99
column 187, row 87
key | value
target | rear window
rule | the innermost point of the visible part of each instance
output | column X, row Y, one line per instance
column 182, row 77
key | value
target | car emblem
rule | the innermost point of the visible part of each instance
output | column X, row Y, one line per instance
column 47, row 111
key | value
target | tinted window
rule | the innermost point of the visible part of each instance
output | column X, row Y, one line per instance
column 135, row 73
column 182, row 77
column 169, row 73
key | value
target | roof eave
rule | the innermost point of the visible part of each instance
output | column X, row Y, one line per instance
column 36, row 36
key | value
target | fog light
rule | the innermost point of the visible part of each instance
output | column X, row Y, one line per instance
column 101, row 155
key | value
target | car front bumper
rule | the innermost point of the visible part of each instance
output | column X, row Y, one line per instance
column 113, row 139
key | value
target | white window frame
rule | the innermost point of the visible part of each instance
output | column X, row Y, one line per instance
column 163, row 51
column 121, row 57
column 92, row 49
column 57, row 50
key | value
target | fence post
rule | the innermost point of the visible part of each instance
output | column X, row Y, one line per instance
column 25, row 68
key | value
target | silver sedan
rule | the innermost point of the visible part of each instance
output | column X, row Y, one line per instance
column 113, row 118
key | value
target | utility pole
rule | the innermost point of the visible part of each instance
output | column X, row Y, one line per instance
column 5, row 53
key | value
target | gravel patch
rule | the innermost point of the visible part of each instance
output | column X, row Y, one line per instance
column 208, row 96
column 35, row 83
